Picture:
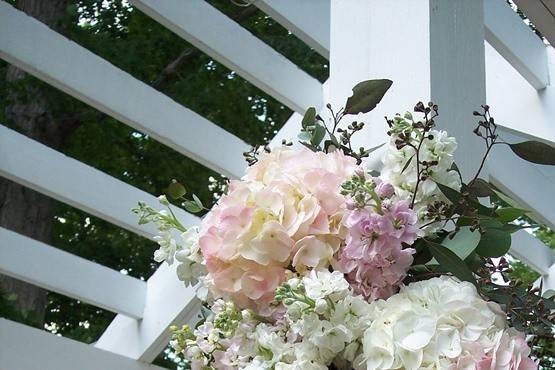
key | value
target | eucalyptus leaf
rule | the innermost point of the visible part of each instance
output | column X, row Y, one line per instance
column 509, row 214
column 480, row 188
column 191, row 206
column 366, row 95
column 318, row 135
column 309, row 117
column 494, row 243
column 304, row 136
column 176, row 190
column 464, row 242
column 198, row 201
column 453, row 195
column 535, row 152
column 451, row 262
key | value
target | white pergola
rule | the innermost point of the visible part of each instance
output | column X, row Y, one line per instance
column 457, row 53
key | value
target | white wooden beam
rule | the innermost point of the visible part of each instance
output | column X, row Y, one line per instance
column 309, row 20
column 26, row 348
column 532, row 252
column 45, row 170
column 504, row 30
column 440, row 56
column 515, row 103
column 229, row 43
column 168, row 302
column 516, row 42
column 53, row 269
column 549, row 279
column 527, row 183
column 32, row 46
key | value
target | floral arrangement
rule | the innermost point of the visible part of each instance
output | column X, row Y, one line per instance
column 314, row 261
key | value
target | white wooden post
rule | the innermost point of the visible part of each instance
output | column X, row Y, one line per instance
column 431, row 49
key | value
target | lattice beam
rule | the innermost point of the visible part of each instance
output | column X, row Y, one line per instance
column 32, row 46
column 229, row 43
column 58, row 271
column 26, row 348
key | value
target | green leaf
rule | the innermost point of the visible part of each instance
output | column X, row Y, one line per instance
column 318, row 135
column 505, row 198
column 480, row 188
column 198, row 202
column 494, row 243
column 191, row 206
column 535, row 152
column 407, row 164
column 464, row 242
column 366, row 95
column 451, row 262
column 509, row 214
column 304, row 136
column 511, row 228
column 175, row 190
column 309, row 117
column 453, row 195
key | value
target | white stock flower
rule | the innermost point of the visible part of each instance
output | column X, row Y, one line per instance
column 322, row 283
column 440, row 149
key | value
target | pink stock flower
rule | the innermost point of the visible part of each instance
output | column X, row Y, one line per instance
column 373, row 257
column 286, row 210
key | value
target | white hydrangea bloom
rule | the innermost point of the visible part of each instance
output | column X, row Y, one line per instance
column 430, row 324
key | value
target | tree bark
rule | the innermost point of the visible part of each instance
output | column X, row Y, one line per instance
column 21, row 209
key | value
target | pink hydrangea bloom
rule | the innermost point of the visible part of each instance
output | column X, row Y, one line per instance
column 287, row 210
column 373, row 257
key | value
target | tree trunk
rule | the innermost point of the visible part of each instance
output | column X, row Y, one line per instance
column 21, row 209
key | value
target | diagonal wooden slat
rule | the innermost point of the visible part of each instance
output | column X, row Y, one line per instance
column 26, row 348
column 226, row 41
column 514, row 40
column 45, row 170
column 32, row 46
column 309, row 20
column 53, row 269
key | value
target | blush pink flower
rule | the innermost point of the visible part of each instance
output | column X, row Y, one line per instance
column 511, row 352
column 373, row 258
column 286, row 211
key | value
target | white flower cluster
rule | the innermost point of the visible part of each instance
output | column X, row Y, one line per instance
column 436, row 324
column 400, row 164
column 175, row 242
column 441, row 324
column 323, row 323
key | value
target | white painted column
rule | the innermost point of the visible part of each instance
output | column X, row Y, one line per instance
column 431, row 49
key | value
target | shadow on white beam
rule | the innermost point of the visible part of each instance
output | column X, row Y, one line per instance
column 229, row 43
column 32, row 46
column 47, row 171
column 516, row 42
column 26, row 348
column 309, row 20
column 168, row 302
column 39, row 264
